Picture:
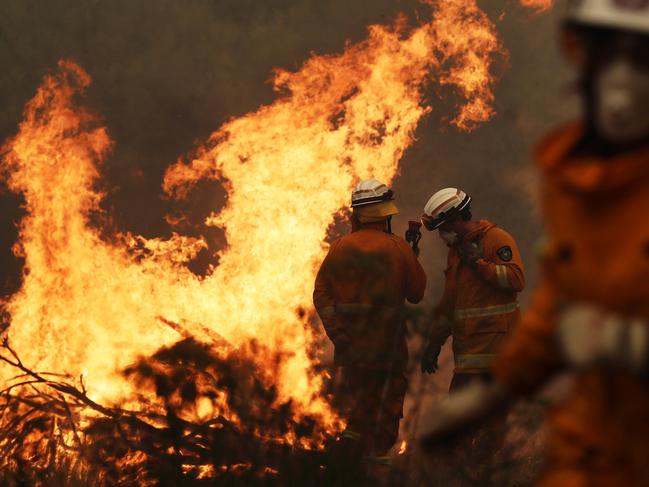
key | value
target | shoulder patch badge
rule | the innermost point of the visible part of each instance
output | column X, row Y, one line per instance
column 505, row 253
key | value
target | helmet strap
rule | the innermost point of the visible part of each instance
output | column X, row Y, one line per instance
column 388, row 225
column 356, row 223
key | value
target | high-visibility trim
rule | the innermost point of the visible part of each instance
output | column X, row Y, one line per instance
column 463, row 314
column 474, row 361
column 501, row 272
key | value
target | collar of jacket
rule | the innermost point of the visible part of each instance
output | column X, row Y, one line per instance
column 588, row 173
column 483, row 226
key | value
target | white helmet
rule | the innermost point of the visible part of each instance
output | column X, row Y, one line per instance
column 372, row 201
column 370, row 191
column 444, row 204
column 632, row 15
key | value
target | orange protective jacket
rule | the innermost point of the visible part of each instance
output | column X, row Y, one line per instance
column 360, row 291
column 597, row 251
column 479, row 305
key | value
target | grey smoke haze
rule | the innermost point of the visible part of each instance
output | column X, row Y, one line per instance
column 167, row 73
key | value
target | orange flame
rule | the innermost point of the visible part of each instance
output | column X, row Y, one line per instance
column 87, row 306
column 403, row 447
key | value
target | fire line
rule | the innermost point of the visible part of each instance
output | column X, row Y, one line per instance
column 90, row 307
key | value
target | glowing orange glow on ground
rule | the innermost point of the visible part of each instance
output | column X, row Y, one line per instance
column 403, row 447
column 89, row 306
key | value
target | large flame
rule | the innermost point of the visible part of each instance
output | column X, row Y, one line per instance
column 90, row 306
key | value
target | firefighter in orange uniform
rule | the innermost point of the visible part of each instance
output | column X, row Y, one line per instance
column 360, row 291
column 590, row 311
column 484, row 275
column 479, row 308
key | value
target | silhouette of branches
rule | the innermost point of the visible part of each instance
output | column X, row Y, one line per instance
column 53, row 433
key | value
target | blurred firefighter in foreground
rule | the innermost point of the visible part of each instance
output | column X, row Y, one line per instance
column 359, row 295
column 590, row 311
column 479, row 306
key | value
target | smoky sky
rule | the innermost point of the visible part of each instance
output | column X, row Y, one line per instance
column 168, row 73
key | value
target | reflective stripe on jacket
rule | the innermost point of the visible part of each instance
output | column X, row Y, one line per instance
column 480, row 302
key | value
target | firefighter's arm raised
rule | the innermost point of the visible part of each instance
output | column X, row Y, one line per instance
column 415, row 276
column 501, row 263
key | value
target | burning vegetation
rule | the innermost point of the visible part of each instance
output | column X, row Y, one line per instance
column 54, row 433
column 120, row 365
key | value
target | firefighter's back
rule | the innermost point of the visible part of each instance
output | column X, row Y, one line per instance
column 372, row 273
column 368, row 267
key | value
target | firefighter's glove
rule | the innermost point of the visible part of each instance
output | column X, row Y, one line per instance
column 469, row 252
column 413, row 236
column 429, row 359
column 591, row 337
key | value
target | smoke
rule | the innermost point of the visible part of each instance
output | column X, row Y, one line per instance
column 165, row 74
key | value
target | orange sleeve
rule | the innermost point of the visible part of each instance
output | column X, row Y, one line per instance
column 415, row 285
column 531, row 355
column 323, row 299
column 501, row 264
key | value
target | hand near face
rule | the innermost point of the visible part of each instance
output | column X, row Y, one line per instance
column 470, row 252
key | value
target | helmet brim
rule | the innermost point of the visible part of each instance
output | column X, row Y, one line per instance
column 376, row 211
column 372, row 200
